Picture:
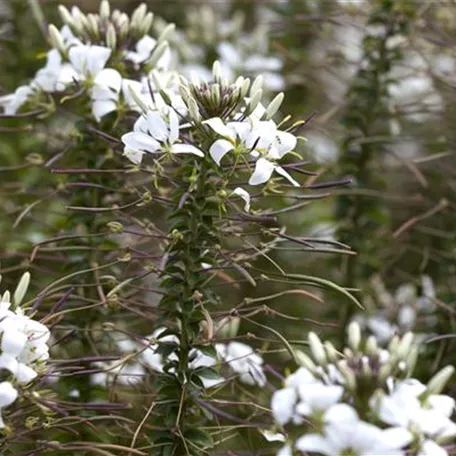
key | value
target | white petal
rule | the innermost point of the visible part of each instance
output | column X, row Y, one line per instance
column 244, row 195
column 263, row 172
column 285, row 451
column 134, row 156
column 13, row 342
column 272, row 436
column 7, row 394
column 173, row 126
column 109, row 78
column 219, row 149
column 397, row 437
column 77, row 56
column 442, row 404
column 157, row 126
column 8, row 362
column 315, row 443
column 219, row 127
column 140, row 141
column 186, row 149
column 285, row 142
column 430, row 448
column 229, row 53
column 282, row 172
column 24, row 374
column 97, row 58
column 341, row 413
column 282, row 404
column 102, row 107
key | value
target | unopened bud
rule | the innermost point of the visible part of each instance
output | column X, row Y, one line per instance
column 256, row 85
column 317, row 349
column 66, row 16
column 105, row 9
column 305, row 361
column 167, row 33
column 253, row 103
column 138, row 16
column 404, row 345
column 194, row 111
column 21, row 289
column 56, row 39
column 147, row 23
column 157, row 53
column 93, row 27
column 439, row 380
column 371, row 345
column 274, row 106
column 217, row 71
column 245, row 87
column 348, row 375
column 111, row 39
column 331, row 352
column 354, row 335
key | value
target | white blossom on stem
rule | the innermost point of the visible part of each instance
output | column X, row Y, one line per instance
column 155, row 132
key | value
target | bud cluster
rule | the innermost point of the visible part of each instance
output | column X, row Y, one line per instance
column 113, row 29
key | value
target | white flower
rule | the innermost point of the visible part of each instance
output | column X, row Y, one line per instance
column 105, row 92
column 23, row 344
column 285, row 451
column 404, row 408
column 156, row 132
column 12, row 102
column 261, row 139
column 88, row 60
column 7, row 396
column 345, row 433
column 283, row 404
column 55, row 76
column 316, row 398
column 116, row 372
column 144, row 48
column 244, row 361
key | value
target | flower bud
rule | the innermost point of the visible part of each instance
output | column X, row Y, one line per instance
column 157, row 53
column 305, row 361
column 354, row 335
column 331, row 352
column 317, row 349
column 167, row 33
column 56, row 39
column 217, row 71
column 66, row 16
column 115, row 227
column 404, row 345
column 111, row 39
column 439, row 380
column 194, row 111
column 256, row 85
column 93, row 25
column 245, row 87
column 138, row 16
column 253, row 103
column 147, row 23
column 21, row 288
column 274, row 106
column 348, row 375
column 105, row 9
column 371, row 345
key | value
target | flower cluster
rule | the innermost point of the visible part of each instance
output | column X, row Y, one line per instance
column 363, row 401
column 239, row 53
column 389, row 314
column 23, row 346
column 147, row 356
column 86, row 51
column 241, row 132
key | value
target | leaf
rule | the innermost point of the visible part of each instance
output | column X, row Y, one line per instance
column 327, row 284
